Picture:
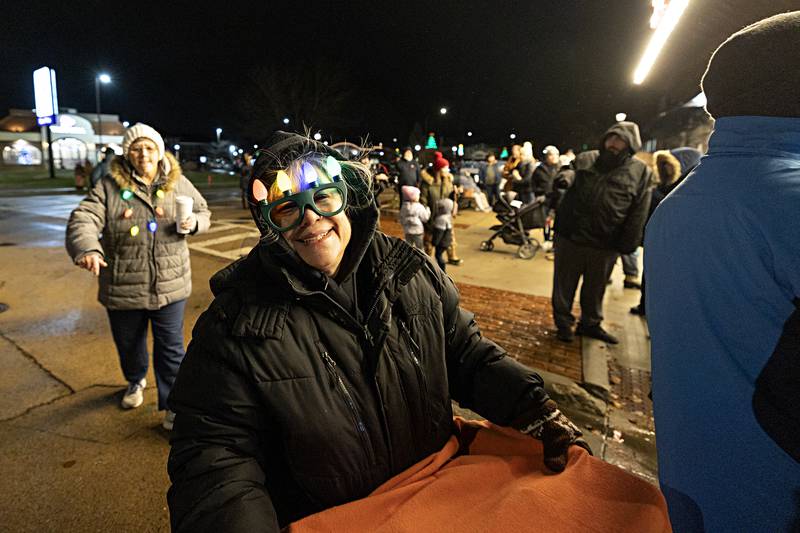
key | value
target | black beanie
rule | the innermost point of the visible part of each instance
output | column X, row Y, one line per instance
column 283, row 148
column 753, row 72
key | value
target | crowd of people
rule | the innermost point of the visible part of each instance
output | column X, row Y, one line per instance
column 327, row 362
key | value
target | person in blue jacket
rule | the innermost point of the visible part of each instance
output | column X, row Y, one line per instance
column 723, row 267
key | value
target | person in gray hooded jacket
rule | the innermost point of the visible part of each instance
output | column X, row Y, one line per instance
column 601, row 216
column 125, row 232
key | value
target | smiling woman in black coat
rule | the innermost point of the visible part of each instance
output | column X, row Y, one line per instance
column 328, row 360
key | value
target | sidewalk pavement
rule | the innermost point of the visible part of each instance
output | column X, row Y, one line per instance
column 75, row 461
column 608, row 398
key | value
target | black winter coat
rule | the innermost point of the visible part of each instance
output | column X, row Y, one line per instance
column 543, row 178
column 606, row 210
column 407, row 173
column 288, row 404
column 525, row 185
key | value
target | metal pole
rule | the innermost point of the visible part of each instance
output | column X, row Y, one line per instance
column 97, row 109
column 50, row 153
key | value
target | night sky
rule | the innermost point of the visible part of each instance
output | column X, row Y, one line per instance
column 551, row 71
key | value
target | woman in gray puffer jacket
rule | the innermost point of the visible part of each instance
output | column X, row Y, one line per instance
column 125, row 232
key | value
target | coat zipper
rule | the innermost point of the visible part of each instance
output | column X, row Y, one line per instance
column 418, row 368
column 361, row 428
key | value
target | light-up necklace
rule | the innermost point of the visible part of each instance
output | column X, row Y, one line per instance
column 152, row 224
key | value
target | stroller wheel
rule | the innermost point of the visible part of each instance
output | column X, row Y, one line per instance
column 527, row 250
column 487, row 246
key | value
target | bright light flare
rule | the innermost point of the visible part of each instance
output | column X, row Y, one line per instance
column 104, row 78
column 659, row 38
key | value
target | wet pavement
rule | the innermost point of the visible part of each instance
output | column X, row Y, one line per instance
column 78, row 462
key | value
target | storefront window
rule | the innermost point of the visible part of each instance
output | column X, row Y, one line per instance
column 22, row 153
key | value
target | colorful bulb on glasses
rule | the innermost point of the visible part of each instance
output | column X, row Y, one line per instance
column 310, row 177
column 332, row 167
column 284, row 183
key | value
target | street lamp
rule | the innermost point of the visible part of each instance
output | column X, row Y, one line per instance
column 668, row 21
column 317, row 136
column 512, row 136
column 469, row 134
column 620, row 117
column 177, row 148
column 125, row 123
column 219, row 132
column 100, row 78
column 286, row 120
column 443, row 111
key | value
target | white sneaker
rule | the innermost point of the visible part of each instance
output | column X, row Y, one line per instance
column 169, row 420
column 133, row 395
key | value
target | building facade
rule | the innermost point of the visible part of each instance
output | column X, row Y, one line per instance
column 75, row 137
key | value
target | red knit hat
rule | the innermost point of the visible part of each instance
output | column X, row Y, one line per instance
column 440, row 163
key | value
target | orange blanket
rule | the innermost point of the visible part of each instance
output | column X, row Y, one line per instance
column 501, row 485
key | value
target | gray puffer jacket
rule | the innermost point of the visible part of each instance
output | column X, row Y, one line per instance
column 147, row 270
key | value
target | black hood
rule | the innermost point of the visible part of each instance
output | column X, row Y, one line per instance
column 629, row 131
column 272, row 250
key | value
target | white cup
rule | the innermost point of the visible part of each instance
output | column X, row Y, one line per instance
column 183, row 209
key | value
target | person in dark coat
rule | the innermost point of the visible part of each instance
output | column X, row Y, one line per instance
column 407, row 172
column 669, row 172
column 490, row 175
column 522, row 175
column 545, row 173
column 327, row 362
column 601, row 216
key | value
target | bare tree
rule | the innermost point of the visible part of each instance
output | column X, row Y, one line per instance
column 313, row 96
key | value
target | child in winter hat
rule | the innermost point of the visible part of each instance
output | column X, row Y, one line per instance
column 413, row 216
column 442, row 236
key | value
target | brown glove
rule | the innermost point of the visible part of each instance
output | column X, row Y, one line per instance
column 557, row 433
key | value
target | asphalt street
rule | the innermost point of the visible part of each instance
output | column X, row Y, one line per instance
column 73, row 460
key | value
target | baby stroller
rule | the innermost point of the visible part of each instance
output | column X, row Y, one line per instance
column 516, row 220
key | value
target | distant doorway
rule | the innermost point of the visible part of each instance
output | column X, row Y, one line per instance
column 68, row 152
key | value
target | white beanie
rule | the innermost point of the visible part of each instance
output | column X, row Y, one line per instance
column 550, row 149
column 139, row 130
column 527, row 150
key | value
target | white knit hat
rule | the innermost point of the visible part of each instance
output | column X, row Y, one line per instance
column 139, row 130
column 550, row 149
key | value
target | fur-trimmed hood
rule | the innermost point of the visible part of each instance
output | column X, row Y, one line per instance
column 121, row 171
column 664, row 156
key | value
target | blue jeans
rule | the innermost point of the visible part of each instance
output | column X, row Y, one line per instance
column 492, row 192
column 129, row 329
column 630, row 263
